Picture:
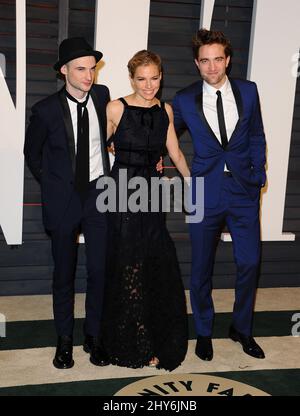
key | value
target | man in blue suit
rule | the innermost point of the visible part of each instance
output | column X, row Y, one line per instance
column 224, row 120
column 65, row 149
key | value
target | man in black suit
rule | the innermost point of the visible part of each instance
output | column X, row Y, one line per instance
column 65, row 149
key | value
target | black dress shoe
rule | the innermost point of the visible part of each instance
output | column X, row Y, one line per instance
column 248, row 343
column 98, row 355
column 64, row 350
column 204, row 348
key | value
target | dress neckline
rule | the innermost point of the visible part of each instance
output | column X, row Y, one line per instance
column 140, row 107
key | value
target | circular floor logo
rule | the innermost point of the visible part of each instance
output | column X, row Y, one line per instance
column 189, row 385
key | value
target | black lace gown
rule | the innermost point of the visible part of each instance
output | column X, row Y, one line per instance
column 144, row 309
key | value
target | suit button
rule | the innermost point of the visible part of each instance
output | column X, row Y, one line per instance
column 71, row 182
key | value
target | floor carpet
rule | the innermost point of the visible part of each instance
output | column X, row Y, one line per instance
column 27, row 346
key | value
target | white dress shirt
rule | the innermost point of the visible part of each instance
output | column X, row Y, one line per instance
column 229, row 106
column 96, row 163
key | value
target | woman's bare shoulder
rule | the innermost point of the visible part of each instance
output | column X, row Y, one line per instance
column 115, row 107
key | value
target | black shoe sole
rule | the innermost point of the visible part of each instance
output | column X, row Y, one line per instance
column 99, row 364
column 204, row 358
column 258, row 357
column 87, row 349
column 236, row 339
column 62, row 366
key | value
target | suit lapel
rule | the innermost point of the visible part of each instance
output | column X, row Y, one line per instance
column 102, row 126
column 68, row 126
column 239, row 104
column 199, row 106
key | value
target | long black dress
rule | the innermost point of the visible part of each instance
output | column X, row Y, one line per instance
column 145, row 310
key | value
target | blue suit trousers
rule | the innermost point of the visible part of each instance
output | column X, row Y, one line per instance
column 241, row 215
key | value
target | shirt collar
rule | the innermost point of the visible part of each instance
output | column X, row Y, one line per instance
column 210, row 90
column 80, row 100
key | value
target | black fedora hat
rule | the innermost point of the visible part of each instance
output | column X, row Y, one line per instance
column 73, row 48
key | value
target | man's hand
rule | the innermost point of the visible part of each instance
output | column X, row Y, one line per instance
column 159, row 166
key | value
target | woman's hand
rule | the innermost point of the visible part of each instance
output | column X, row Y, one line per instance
column 159, row 165
column 111, row 148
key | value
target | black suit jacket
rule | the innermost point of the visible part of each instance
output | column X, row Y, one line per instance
column 50, row 150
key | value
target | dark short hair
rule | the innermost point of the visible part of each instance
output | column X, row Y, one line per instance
column 141, row 58
column 209, row 37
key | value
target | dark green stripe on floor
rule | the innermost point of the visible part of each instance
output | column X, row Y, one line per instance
column 273, row 382
column 36, row 334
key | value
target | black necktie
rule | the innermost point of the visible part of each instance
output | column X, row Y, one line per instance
column 221, row 120
column 82, row 169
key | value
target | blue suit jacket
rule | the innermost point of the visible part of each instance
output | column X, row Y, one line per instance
column 245, row 152
column 50, row 150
